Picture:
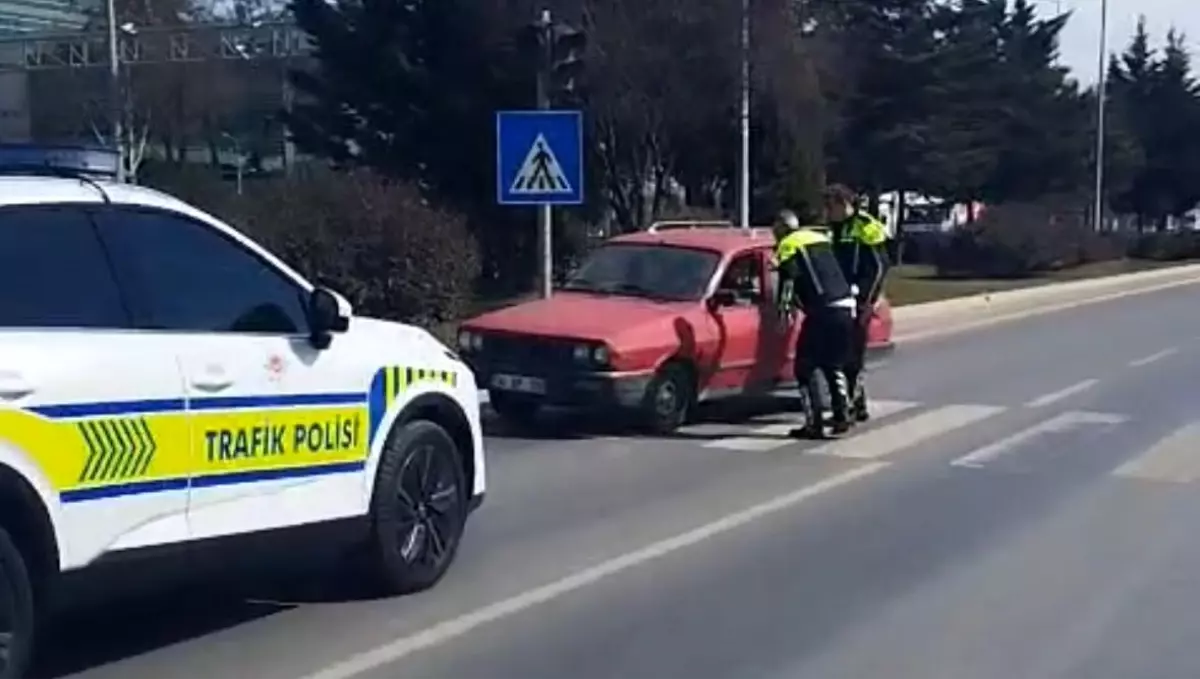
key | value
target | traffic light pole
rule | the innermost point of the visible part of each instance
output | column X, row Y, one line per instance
column 744, row 121
column 546, row 211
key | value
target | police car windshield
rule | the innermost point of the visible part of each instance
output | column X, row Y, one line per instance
column 651, row 271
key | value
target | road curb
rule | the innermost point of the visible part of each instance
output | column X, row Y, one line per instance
column 1048, row 290
column 933, row 319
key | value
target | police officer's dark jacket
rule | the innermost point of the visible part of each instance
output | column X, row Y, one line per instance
column 859, row 242
column 806, row 258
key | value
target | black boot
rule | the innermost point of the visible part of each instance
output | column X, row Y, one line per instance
column 810, row 405
column 839, row 397
column 860, row 411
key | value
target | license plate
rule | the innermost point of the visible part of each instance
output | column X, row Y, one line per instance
column 525, row 385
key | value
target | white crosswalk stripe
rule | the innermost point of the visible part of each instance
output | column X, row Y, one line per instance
column 1063, row 422
column 772, row 436
column 909, row 432
column 1173, row 459
column 900, row 426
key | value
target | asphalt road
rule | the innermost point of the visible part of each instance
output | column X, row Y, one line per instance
column 1024, row 506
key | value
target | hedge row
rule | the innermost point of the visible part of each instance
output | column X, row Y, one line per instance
column 373, row 240
column 1012, row 241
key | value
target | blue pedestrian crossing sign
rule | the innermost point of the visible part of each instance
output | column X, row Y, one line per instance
column 539, row 157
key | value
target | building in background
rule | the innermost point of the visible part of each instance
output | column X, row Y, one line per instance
column 27, row 16
column 19, row 18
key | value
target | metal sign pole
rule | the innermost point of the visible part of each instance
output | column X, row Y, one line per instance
column 545, row 211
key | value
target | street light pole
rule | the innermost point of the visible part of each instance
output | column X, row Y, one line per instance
column 744, row 121
column 1101, row 96
column 114, row 82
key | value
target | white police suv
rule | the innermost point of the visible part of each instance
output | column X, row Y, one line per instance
column 169, row 389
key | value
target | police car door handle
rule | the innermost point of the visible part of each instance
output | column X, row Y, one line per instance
column 212, row 378
column 13, row 385
column 211, row 384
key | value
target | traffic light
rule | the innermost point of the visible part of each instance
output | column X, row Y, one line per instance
column 555, row 51
column 566, row 58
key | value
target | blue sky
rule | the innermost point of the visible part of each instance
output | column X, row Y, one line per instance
column 1081, row 35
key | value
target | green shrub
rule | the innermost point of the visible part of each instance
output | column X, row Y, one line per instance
column 376, row 241
column 1024, row 239
column 1168, row 246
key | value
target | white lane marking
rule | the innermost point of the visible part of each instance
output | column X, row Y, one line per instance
column 1147, row 360
column 450, row 629
column 1174, row 459
column 886, row 440
column 1055, row 396
column 773, row 436
column 1059, row 423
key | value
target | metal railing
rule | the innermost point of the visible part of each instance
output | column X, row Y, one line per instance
column 156, row 44
column 671, row 225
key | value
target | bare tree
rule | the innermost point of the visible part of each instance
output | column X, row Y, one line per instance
column 660, row 76
column 166, row 104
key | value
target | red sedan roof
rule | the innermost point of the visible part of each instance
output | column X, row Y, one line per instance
column 719, row 239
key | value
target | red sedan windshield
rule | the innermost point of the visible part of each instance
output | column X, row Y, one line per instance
column 654, row 271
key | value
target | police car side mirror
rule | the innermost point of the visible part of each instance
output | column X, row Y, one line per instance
column 327, row 314
column 722, row 298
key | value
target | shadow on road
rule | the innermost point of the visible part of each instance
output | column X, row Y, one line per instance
column 131, row 626
column 568, row 425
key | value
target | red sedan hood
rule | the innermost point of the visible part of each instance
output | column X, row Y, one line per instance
column 575, row 315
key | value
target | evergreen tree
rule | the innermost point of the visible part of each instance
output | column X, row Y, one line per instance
column 1174, row 149
column 967, row 138
column 1041, row 115
column 1011, row 125
column 889, row 49
column 404, row 87
column 1155, row 97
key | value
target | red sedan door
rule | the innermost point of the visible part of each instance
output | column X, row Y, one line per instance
column 740, row 343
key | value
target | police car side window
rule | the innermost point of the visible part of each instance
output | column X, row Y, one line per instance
column 183, row 275
column 53, row 272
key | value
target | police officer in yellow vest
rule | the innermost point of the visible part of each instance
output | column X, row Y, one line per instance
column 860, row 244
column 811, row 280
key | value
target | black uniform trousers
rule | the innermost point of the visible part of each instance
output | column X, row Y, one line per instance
column 857, row 360
column 824, row 346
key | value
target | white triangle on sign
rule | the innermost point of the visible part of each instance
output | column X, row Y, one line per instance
column 540, row 173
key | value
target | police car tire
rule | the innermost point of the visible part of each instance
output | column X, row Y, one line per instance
column 15, row 585
column 395, row 574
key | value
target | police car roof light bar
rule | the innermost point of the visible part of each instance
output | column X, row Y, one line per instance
column 82, row 163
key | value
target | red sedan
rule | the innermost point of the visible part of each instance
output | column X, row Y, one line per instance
column 652, row 323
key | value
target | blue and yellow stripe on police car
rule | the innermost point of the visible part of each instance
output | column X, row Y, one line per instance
column 111, row 449
column 391, row 382
column 90, row 451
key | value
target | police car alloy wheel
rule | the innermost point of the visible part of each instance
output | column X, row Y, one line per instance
column 16, row 611
column 419, row 507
